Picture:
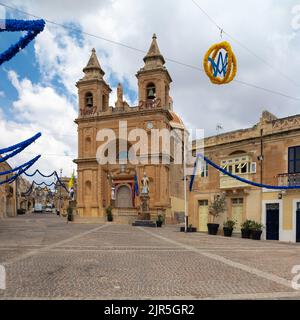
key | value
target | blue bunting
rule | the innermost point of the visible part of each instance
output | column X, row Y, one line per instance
column 17, row 148
column 251, row 183
column 21, row 169
column 55, row 174
column 33, row 28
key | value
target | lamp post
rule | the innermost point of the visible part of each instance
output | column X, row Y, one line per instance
column 59, row 199
column 186, row 214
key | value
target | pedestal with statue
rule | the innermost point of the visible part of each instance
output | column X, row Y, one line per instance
column 144, row 212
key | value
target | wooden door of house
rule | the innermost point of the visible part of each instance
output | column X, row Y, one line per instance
column 272, row 222
column 203, row 215
column 237, row 212
column 298, row 223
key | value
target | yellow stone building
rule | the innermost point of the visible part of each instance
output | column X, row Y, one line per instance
column 267, row 153
column 8, row 206
column 103, row 185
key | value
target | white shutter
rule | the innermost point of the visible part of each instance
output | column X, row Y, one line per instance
column 253, row 167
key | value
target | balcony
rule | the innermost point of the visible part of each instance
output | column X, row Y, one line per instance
column 227, row 182
column 289, row 179
column 240, row 165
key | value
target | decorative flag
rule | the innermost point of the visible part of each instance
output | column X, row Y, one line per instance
column 136, row 185
column 71, row 182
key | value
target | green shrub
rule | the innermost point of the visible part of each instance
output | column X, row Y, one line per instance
column 247, row 225
column 229, row 224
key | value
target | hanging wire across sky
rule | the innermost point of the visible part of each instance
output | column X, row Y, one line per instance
column 77, row 30
column 244, row 46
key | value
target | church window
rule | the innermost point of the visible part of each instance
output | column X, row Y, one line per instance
column 151, row 91
column 89, row 100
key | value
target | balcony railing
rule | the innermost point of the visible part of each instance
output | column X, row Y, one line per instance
column 289, row 179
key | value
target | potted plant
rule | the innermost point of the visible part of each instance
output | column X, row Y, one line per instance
column 246, row 229
column 228, row 227
column 109, row 214
column 70, row 214
column 159, row 221
column 217, row 207
column 256, row 231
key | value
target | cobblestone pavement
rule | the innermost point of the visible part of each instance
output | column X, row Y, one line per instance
column 46, row 258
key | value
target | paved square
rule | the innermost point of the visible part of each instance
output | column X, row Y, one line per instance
column 46, row 258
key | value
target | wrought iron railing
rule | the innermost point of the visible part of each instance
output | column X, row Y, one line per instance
column 289, row 179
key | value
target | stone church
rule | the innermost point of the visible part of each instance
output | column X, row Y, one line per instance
column 101, row 186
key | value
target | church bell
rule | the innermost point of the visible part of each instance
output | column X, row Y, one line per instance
column 151, row 94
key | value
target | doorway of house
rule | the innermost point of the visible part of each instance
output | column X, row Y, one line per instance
column 298, row 223
column 237, row 212
column 272, row 221
column 203, row 215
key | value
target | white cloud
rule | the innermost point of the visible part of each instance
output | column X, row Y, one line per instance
column 184, row 33
column 41, row 109
column 2, row 94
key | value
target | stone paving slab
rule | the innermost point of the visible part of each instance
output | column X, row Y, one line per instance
column 46, row 258
column 278, row 263
column 126, row 274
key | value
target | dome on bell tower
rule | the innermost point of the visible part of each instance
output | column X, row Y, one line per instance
column 154, row 79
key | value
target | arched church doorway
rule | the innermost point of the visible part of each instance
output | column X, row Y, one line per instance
column 124, row 197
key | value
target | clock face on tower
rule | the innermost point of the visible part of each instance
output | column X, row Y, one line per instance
column 149, row 125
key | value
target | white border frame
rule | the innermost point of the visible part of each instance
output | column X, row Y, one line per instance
column 264, row 217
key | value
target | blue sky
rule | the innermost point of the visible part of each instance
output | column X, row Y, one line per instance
column 38, row 84
column 24, row 63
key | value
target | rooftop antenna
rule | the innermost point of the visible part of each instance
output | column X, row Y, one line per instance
column 219, row 128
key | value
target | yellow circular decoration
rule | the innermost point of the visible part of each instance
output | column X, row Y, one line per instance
column 228, row 64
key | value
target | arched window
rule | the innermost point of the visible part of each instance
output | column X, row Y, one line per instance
column 238, row 152
column 89, row 100
column 151, row 91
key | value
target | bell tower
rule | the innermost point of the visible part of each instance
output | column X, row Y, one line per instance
column 154, row 79
column 93, row 91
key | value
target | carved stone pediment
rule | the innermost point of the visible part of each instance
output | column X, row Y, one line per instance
column 127, row 171
column 286, row 123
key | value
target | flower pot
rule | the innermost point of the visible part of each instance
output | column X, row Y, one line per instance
column 213, row 228
column 159, row 224
column 256, row 234
column 110, row 218
column 227, row 232
column 246, row 233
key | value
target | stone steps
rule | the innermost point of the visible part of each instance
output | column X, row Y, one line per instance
column 144, row 223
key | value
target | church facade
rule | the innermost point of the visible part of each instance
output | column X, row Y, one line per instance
column 117, row 185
